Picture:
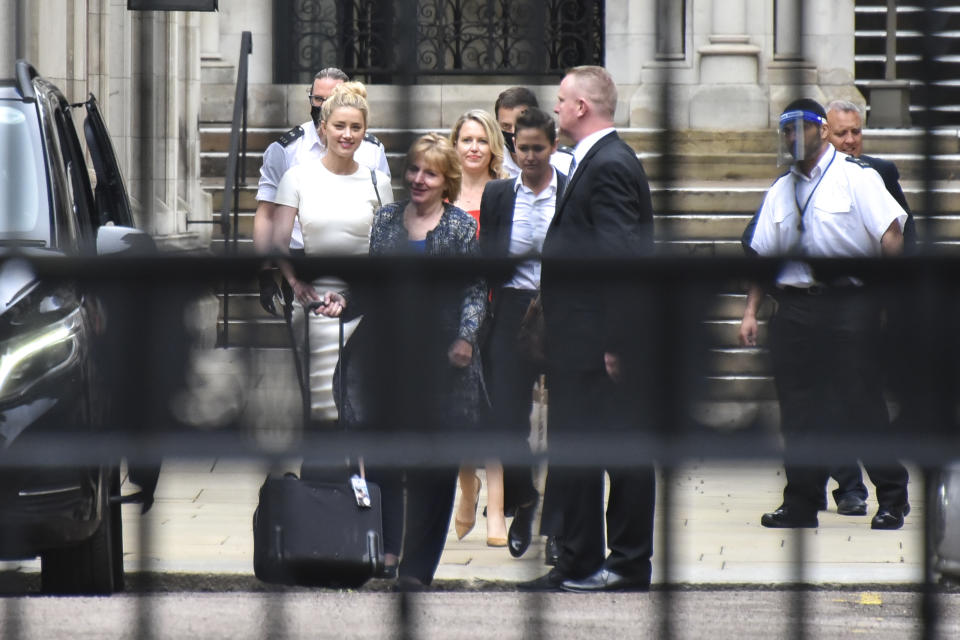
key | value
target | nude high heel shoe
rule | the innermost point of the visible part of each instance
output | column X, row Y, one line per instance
column 466, row 517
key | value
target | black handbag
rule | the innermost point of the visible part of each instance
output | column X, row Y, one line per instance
column 530, row 336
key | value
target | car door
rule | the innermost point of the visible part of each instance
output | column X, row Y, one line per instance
column 113, row 204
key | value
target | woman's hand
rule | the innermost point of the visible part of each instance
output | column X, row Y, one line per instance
column 333, row 304
column 304, row 292
column 460, row 353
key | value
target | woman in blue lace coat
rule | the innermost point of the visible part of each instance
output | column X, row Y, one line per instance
column 413, row 363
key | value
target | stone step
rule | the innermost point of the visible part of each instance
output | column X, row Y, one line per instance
column 740, row 388
column 261, row 333
column 738, row 361
column 216, row 137
column 724, row 333
column 704, row 200
column 690, row 197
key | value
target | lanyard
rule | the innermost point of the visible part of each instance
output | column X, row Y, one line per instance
column 796, row 197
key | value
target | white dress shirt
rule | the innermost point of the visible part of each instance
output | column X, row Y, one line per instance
column 532, row 215
column 847, row 212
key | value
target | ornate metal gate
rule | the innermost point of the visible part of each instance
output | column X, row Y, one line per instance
column 369, row 39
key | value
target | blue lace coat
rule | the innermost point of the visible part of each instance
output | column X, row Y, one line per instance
column 397, row 370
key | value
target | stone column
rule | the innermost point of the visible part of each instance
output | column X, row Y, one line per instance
column 729, row 95
column 813, row 52
column 210, row 36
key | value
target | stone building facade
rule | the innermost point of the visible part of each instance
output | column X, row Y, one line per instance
column 731, row 65
column 144, row 68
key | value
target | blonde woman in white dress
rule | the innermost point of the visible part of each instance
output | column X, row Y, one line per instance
column 335, row 198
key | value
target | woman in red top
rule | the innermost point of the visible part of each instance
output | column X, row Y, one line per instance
column 479, row 143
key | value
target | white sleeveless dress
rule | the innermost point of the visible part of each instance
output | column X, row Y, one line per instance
column 335, row 213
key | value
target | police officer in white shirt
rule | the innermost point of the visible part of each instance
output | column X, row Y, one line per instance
column 510, row 104
column 825, row 335
column 299, row 144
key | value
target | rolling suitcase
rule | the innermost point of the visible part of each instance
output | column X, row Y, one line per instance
column 945, row 522
column 316, row 533
column 319, row 531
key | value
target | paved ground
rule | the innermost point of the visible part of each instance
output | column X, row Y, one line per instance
column 201, row 522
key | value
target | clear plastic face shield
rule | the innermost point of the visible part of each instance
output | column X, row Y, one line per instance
column 792, row 146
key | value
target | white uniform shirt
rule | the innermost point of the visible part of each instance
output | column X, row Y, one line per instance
column 847, row 215
column 560, row 160
column 532, row 215
column 278, row 159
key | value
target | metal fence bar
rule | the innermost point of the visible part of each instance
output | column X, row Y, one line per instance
column 929, row 606
column 235, row 168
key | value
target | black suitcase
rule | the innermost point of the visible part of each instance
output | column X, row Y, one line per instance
column 316, row 534
column 312, row 531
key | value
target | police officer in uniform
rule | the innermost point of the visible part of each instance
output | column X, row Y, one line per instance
column 825, row 334
column 509, row 105
column 297, row 145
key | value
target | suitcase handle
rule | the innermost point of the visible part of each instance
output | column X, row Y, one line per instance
column 373, row 549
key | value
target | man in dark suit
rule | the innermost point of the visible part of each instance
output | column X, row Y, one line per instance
column 514, row 216
column 845, row 132
column 605, row 211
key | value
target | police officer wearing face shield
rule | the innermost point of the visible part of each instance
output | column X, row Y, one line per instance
column 825, row 334
column 299, row 144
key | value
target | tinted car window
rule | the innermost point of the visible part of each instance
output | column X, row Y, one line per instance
column 23, row 187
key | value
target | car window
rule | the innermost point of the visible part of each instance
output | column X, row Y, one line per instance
column 23, row 187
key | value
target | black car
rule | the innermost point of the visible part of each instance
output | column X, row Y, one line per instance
column 51, row 380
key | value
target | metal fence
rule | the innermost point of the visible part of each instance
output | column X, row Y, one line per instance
column 150, row 304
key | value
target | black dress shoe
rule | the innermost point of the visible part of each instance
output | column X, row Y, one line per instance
column 606, row 580
column 551, row 551
column 521, row 529
column 889, row 517
column 549, row 582
column 851, row 505
column 786, row 518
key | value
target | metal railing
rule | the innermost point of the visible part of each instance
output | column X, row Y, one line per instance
column 235, row 175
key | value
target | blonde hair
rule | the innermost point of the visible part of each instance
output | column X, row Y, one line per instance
column 493, row 133
column 439, row 153
column 596, row 85
column 346, row 94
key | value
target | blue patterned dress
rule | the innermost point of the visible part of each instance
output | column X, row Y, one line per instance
column 397, row 371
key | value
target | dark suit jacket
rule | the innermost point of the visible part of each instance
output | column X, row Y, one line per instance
column 604, row 212
column 496, row 219
column 891, row 180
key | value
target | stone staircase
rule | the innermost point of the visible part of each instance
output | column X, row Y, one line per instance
column 720, row 179
column 944, row 45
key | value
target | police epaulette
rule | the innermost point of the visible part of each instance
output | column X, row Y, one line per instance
column 372, row 139
column 290, row 136
column 562, row 148
column 859, row 161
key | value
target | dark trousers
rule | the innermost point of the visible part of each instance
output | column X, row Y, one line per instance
column 849, row 481
column 826, row 359
column 510, row 378
column 422, row 533
column 586, row 404
column 430, row 495
column 390, row 482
